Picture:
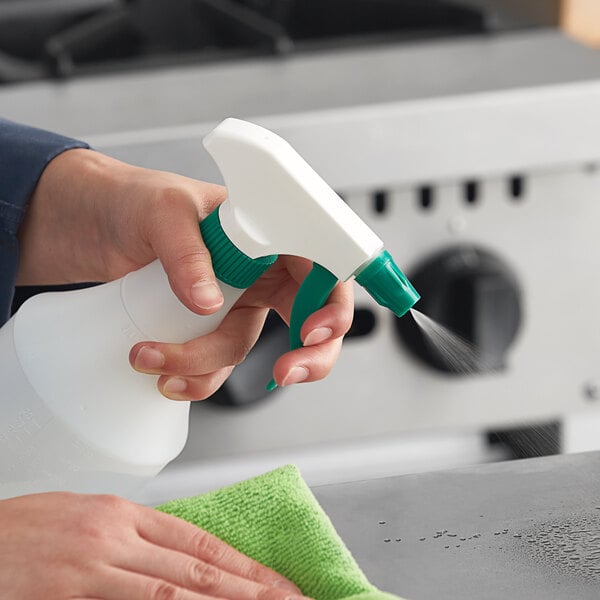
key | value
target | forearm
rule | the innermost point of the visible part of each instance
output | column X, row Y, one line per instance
column 24, row 153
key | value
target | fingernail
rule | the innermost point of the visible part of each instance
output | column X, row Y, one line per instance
column 206, row 295
column 295, row 375
column 318, row 335
column 175, row 385
column 149, row 359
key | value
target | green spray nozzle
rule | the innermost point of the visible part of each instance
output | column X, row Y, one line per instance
column 388, row 285
column 277, row 204
column 381, row 277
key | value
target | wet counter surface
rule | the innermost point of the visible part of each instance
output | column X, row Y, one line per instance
column 519, row 530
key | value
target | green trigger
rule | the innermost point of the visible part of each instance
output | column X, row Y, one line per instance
column 311, row 296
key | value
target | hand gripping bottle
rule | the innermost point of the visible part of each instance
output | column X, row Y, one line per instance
column 75, row 416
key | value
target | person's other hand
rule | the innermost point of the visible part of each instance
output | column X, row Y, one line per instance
column 61, row 545
column 93, row 218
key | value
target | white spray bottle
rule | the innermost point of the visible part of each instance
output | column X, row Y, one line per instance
column 75, row 416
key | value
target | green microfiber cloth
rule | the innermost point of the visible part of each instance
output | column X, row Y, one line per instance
column 275, row 519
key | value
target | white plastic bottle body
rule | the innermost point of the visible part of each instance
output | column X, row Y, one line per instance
column 74, row 415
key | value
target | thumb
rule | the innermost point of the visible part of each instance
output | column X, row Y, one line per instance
column 178, row 244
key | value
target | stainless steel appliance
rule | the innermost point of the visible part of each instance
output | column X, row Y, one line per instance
column 475, row 157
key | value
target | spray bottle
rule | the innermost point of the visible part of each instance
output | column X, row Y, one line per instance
column 75, row 416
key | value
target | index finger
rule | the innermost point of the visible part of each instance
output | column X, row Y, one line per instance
column 176, row 534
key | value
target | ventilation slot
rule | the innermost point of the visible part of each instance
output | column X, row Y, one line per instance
column 471, row 192
column 363, row 323
column 516, row 187
column 380, row 202
column 425, row 197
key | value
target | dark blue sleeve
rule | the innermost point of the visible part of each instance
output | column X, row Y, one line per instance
column 24, row 153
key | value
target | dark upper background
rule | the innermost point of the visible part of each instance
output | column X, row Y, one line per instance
column 42, row 39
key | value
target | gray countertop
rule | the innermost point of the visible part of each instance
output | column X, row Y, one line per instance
column 522, row 530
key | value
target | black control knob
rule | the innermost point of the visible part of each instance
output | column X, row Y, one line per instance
column 474, row 294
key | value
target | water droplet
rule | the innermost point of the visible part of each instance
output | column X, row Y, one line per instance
column 381, row 522
column 422, row 539
column 446, row 547
column 387, row 540
column 398, row 539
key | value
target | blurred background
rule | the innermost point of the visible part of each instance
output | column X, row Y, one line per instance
column 466, row 133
